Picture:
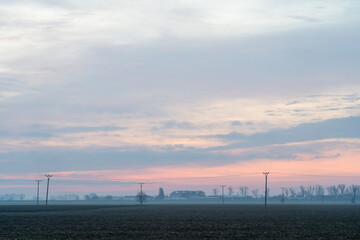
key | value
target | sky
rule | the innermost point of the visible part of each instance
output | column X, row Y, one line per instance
column 178, row 94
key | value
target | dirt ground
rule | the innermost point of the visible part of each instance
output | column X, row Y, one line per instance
column 180, row 222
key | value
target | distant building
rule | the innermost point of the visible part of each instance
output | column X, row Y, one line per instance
column 187, row 194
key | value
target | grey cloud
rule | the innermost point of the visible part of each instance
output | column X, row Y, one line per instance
column 68, row 181
column 51, row 3
column 13, row 85
column 100, row 159
column 292, row 103
column 175, row 124
column 236, row 123
column 351, row 98
column 173, row 68
column 353, row 107
column 172, row 124
column 111, row 158
column 304, row 18
column 288, row 62
column 326, row 156
column 333, row 128
column 9, row 83
column 44, row 131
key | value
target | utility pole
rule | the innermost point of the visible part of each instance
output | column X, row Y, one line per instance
column 222, row 193
column 266, row 190
column 37, row 196
column 141, row 193
column 282, row 195
column 47, row 189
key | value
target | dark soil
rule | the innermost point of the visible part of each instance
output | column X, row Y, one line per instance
column 180, row 222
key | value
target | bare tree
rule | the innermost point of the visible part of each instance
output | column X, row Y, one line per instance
column 341, row 189
column 335, row 190
column 215, row 191
column 310, row 191
column 329, row 190
column 354, row 189
column 286, row 191
column 282, row 195
column 255, row 193
column 332, row 190
column 302, row 191
column 230, row 189
column 292, row 192
column 141, row 197
column 348, row 190
column 243, row 190
column 319, row 190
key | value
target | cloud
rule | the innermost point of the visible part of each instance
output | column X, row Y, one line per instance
column 333, row 128
column 173, row 124
column 70, row 180
column 47, row 131
column 192, row 70
column 100, row 159
column 236, row 123
column 180, row 125
column 306, row 19
column 104, row 158
column 68, row 29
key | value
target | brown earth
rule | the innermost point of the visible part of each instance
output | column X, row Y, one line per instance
column 181, row 222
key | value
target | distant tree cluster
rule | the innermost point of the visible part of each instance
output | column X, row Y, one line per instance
column 242, row 191
column 94, row 197
column 187, row 194
column 66, row 197
column 340, row 192
column 12, row 197
column 333, row 192
column 311, row 192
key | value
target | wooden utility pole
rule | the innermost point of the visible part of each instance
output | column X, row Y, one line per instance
column 222, row 193
column 47, row 189
column 266, row 190
column 37, row 195
column 141, row 193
